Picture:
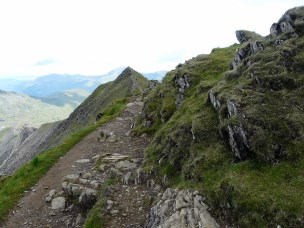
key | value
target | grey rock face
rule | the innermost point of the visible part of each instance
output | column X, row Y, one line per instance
column 182, row 83
column 10, row 143
column 240, row 35
column 180, row 209
column 238, row 141
column 241, row 53
column 236, row 134
column 215, row 102
column 289, row 23
column 231, row 108
column 87, row 198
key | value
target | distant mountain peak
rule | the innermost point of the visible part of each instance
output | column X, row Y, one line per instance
column 127, row 72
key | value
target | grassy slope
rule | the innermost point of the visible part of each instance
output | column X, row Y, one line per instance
column 13, row 187
column 250, row 193
column 18, row 109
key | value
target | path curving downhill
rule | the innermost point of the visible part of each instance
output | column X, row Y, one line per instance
column 128, row 203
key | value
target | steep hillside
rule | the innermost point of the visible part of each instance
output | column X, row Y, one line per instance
column 129, row 83
column 19, row 109
column 19, row 145
column 231, row 124
column 20, row 116
column 73, row 97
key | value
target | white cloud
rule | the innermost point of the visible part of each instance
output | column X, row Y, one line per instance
column 92, row 37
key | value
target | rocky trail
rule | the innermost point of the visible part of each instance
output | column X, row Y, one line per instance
column 76, row 173
column 70, row 188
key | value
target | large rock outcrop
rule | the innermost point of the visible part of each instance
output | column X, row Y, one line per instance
column 290, row 24
column 180, row 209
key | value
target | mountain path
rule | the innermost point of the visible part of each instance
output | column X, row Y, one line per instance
column 129, row 203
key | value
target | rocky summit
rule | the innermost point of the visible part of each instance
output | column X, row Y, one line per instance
column 218, row 143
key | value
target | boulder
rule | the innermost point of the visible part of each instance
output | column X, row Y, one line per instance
column 240, row 35
column 58, row 203
column 126, row 165
column 180, row 209
column 76, row 189
column 87, row 198
column 115, row 173
column 71, row 177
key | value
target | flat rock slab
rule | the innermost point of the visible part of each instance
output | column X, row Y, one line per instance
column 58, row 203
column 115, row 157
column 125, row 165
column 71, row 177
column 81, row 161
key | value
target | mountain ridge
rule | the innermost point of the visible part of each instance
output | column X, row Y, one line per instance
column 129, row 83
column 227, row 128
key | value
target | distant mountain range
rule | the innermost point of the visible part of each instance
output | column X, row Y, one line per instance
column 53, row 85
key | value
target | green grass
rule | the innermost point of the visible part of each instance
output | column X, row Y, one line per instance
column 95, row 217
column 13, row 187
column 263, row 191
column 258, row 196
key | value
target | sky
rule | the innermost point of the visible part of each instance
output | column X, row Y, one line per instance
column 92, row 37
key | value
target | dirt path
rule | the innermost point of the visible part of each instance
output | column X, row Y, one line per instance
column 129, row 206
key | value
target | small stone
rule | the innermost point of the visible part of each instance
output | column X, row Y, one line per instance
column 50, row 195
column 114, row 212
column 127, row 178
column 70, row 208
column 94, row 184
column 87, row 175
column 112, row 138
column 96, row 157
column 110, row 203
column 102, row 167
column 83, row 181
